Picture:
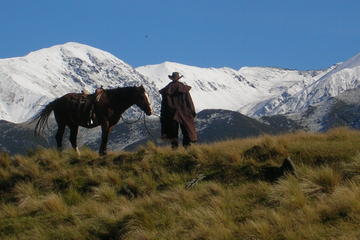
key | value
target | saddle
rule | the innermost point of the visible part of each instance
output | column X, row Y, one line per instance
column 84, row 103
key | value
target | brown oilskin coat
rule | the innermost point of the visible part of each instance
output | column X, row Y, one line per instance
column 177, row 105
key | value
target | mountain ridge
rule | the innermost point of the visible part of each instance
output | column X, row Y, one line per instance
column 29, row 82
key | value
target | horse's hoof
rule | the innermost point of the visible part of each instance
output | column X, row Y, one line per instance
column 77, row 151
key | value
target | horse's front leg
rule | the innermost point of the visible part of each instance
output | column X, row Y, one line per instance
column 73, row 136
column 105, row 128
column 59, row 135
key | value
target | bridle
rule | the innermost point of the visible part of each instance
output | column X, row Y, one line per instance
column 147, row 129
column 144, row 118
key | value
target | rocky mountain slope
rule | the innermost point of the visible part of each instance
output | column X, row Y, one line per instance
column 341, row 110
column 212, row 125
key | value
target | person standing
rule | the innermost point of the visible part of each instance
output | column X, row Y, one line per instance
column 177, row 110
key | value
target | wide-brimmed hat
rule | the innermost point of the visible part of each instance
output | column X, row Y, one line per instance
column 175, row 76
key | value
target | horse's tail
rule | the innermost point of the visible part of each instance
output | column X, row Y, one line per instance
column 42, row 117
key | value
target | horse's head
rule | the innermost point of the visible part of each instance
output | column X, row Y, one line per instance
column 142, row 100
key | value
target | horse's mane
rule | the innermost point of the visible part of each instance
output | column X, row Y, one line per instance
column 120, row 90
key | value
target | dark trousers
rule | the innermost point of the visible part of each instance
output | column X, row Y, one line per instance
column 172, row 133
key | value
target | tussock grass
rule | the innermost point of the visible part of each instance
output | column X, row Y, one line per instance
column 141, row 195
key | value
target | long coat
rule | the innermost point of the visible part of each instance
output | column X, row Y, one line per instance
column 177, row 105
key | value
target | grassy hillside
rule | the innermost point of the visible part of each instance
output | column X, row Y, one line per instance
column 147, row 194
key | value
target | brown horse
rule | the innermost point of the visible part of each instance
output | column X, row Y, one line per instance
column 74, row 110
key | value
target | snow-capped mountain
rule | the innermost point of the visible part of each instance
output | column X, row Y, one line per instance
column 340, row 78
column 248, row 90
column 212, row 88
column 27, row 83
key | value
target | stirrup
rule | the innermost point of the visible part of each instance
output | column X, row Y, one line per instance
column 90, row 122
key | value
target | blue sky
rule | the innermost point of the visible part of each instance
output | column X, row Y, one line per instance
column 296, row 34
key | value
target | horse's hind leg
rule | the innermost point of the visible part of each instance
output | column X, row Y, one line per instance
column 59, row 135
column 73, row 135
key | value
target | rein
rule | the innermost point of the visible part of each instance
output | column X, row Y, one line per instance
column 148, row 131
column 132, row 122
column 145, row 124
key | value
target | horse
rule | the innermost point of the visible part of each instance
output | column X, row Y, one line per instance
column 104, row 108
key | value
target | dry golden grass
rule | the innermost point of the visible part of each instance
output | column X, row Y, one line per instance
column 142, row 194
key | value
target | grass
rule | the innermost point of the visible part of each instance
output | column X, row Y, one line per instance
column 142, row 194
